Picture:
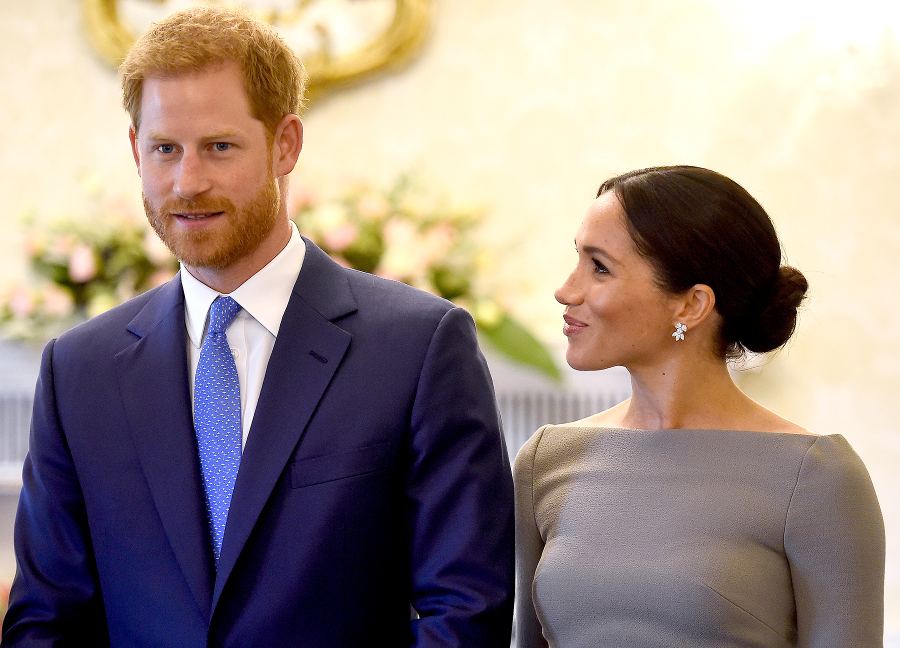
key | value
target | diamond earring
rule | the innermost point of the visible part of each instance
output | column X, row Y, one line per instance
column 680, row 329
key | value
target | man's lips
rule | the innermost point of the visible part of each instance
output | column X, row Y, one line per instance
column 572, row 326
column 197, row 215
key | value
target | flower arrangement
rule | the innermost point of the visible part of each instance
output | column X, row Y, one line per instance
column 409, row 235
column 404, row 234
column 82, row 267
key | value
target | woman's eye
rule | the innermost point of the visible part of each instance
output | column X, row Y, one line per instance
column 599, row 268
column 221, row 147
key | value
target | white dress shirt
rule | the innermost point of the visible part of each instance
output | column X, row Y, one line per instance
column 251, row 335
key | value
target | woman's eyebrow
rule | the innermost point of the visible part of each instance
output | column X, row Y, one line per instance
column 592, row 249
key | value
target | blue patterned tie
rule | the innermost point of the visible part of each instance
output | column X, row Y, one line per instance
column 217, row 418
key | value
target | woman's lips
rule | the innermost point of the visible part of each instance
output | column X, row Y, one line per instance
column 572, row 326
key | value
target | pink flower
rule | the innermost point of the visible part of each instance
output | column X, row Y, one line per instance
column 56, row 301
column 61, row 246
column 125, row 211
column 159, row 277
column 299, row 199
column 21, row 303
column 156, row 250
column 438, row 242
column 82, row 264
column 339, row 238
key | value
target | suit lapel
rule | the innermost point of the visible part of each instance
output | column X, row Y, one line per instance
column 307, row 352
column 153, row 378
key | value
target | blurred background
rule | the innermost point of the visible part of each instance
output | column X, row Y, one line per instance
column 513, row 112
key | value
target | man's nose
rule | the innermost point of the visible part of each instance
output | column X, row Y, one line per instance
column 192, row 177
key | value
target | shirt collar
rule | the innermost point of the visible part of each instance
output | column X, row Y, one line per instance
column 264, row 296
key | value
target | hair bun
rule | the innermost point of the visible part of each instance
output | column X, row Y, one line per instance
column 774, row 324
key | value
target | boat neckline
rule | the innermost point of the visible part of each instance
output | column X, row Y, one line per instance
column 662, row 430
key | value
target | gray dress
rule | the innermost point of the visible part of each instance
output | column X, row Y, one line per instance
column 699, row 538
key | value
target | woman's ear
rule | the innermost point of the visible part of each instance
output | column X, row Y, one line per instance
column 695, row 306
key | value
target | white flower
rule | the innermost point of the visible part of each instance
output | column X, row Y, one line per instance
column 487, row 313
column 326, row 217
column 372, row 206
column 101, row 303
column 404, row 256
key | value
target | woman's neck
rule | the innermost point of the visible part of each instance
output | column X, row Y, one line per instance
column 686, row 393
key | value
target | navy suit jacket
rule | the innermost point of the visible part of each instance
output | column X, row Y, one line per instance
column 374, row 478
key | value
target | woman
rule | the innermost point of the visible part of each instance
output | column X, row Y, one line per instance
column 689, row 515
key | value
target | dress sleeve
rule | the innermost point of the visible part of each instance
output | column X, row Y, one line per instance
column 529, row 546
column 834, row 542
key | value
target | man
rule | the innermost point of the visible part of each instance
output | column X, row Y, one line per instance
column 269, row 450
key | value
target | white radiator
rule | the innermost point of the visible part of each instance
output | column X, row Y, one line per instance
column 522, row 413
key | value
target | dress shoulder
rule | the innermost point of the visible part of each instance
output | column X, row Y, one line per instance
column 831, row 470
column 523, row 466
column 835, row 545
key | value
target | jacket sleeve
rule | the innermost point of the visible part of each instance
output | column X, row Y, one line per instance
column 529, row 546
column 834, row 541
column 459, row 498
column 55, row 597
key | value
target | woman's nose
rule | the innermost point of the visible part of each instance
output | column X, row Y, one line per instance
column 568, row 294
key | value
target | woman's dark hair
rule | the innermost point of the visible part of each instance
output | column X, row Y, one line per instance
column 696, row 226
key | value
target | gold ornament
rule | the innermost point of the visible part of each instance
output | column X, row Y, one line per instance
column 339, row 41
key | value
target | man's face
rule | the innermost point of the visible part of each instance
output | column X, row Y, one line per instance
column 206, row 167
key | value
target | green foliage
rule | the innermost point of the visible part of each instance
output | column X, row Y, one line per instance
column 513, row 340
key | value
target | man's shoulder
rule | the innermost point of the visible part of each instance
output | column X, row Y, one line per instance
column 112, row 325
column 394, row 298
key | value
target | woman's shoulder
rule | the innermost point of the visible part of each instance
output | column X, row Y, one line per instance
column 555, row 444
column 830, row 462
column 608, row 418
column 834, row 504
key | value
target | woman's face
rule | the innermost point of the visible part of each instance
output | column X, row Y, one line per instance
column 615, row 313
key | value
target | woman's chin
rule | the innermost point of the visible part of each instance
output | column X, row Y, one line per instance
column 579, row 363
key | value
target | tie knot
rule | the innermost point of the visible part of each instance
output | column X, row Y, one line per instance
column 222, row 311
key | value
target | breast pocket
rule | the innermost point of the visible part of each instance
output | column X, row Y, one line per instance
column 340, row 465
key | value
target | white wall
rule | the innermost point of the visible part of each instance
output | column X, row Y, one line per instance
column 524, row 106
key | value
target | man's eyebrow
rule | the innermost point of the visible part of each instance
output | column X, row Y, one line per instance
column 225, row 134
column 155, row 136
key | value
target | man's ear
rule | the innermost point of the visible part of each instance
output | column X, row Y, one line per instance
column 696, row 305
column 132, row 136
column 287, row 144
